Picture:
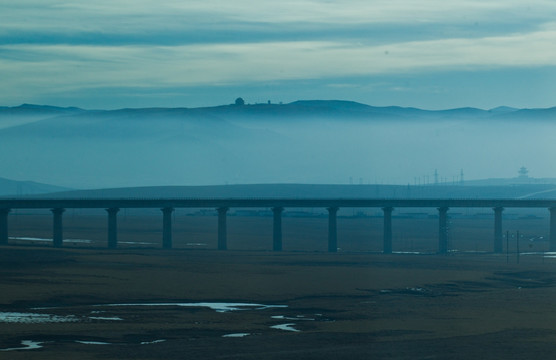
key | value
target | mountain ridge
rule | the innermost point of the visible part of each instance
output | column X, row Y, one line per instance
column 307, row 141
column 302, row 107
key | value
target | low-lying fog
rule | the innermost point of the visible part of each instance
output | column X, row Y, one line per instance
column 155, row 147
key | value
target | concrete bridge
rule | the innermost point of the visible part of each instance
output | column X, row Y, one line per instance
column 167, row 206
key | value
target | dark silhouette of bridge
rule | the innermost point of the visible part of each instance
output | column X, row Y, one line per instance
column 167, row 206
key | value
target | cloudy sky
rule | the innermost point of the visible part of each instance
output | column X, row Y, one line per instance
column 433, row 54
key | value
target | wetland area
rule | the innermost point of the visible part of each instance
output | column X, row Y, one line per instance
column 143, row 302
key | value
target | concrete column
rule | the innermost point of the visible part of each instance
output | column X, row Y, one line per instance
column 498, row 237
column 222, row 232
column 332, row 230
column 4, row 226
column 443, row 230
column 552, row 239
column 167, row 227
column 277, row 229
column 57, row 231
column 112, row 227
column 387, row 245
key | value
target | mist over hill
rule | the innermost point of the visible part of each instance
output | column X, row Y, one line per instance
column 318, row 142
column 24, row 188
column 318, row 191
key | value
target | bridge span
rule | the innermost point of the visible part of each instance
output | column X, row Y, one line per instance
column 277, row 205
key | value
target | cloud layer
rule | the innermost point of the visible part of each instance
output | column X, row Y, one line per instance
column 57, row 50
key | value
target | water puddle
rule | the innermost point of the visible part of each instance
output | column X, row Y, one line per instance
column 298, row 317
column 237, row 335
column 76, row 241
column 34, row 318
column 26, row 345
column 285, row 327
column 92, row 342
column 196, row 244
column 137, row 243
column 218, row 307
column 409, row 252
column 25, row 238
column 546, row 254
column 152, row 342
column 106, row 318
column 32, row 345
column 100, row 314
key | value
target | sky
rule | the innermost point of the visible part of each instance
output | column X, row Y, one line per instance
column 431, row 54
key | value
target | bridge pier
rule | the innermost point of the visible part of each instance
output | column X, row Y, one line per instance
column 222, row 231
column 167, row 227
column 387, row 241
column 57, row 228
column 552, row 236
column 332, row 230
column 277, row 229
column 112, row 227
column 4, row 226
column 498, row 237
column 443, row 230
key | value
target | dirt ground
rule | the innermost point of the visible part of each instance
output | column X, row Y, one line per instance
column 354, row 304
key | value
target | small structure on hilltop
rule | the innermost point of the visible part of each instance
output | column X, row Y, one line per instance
column 523, row 173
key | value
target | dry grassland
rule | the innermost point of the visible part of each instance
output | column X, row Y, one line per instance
column 355, row 304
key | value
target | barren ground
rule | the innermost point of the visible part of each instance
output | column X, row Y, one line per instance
column 355, row 304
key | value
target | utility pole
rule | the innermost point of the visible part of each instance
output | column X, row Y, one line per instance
column 517, row 245
column 507, row 246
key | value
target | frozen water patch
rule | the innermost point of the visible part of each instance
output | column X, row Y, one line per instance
column 27, row 345
column 236, row 335
column 30, row 344
column 416, row 289
column 26, row 238
column 298, row 317
column 106, row 318
column 34, row 318
column 408, row 252
column 218, row 307
column 152, row 342
column 136, row 243
column 285, row 327
column 546, row 254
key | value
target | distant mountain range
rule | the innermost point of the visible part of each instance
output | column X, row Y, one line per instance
column 301, row 108
column 489, row 188
column 24, row 188
column 314, row 141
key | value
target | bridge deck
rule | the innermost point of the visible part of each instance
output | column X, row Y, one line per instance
column 270, row 202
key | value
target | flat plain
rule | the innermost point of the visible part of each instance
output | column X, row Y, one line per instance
column 141, row 302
